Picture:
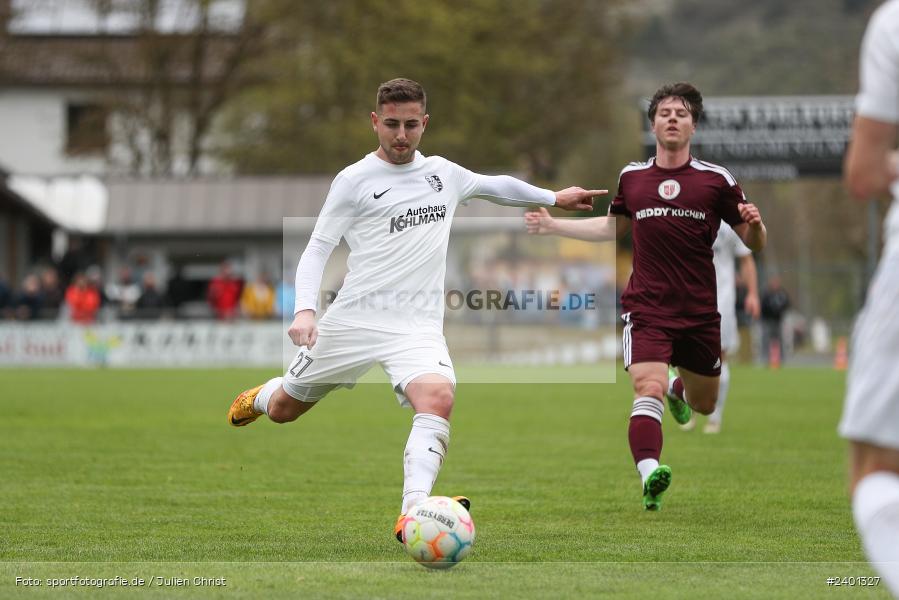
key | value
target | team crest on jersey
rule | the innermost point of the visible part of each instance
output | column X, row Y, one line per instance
column 434, row 182
column 669, row 189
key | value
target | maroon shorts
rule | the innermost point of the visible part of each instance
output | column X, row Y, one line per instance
column 695, row 346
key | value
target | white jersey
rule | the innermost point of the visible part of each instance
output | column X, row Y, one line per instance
column 396, row 220
column 727, row 248
column 871, row 411
column 878, row 96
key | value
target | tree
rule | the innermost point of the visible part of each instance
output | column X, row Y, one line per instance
column 752, row 48
column 166, row 87
column 512, row 85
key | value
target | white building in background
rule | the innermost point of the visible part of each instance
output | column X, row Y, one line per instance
column 63, row 68
column 63, row 17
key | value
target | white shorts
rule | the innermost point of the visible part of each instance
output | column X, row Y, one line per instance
column 343, row 354
column 730, row 337
column 871, row 410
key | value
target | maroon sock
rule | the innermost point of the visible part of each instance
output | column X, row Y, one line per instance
column 678, row 388
column 645, row 437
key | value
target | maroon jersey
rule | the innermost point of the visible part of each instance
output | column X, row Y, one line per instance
column 675, row 216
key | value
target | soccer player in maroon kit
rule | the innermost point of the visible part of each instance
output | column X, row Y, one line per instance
column 673, row 204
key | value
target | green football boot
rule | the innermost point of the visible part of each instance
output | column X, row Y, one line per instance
column 679, row 408
column 656, row 484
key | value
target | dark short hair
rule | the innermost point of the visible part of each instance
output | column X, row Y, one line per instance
column 685, row 91
column 401, row 90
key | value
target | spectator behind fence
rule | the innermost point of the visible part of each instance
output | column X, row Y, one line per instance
column 76, row 259
column 285, row 299
column 6, row 299
column 123, row 293
column 177, row 291
column 51, row 293
column 223, row 294
column 94, row 276
column 28, row 301
column 258, row 298
column 150, row 303
column 775, row 302
column 82, row 299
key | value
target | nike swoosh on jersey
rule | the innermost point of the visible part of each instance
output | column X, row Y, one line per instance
column 442, row 364
column 382, row 193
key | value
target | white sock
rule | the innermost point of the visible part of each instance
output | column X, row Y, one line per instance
column 723, row 387
column 260, row 403
column 646, row 467
column 875, row 506
column 425, row 451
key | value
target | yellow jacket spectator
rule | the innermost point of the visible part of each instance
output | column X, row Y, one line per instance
column 258, row 299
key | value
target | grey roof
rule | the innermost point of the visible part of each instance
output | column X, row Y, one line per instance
column 246, row 205
column 107, row 59
column 10, row 201
column 211, row 206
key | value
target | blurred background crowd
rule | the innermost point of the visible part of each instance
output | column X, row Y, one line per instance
column 85, row 294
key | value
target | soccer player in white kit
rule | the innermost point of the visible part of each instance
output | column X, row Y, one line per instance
column 394, row 207
column 729, row 249
column 871, row 412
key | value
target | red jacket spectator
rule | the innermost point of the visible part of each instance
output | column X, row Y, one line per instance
column 83, row 300
column 224, row 293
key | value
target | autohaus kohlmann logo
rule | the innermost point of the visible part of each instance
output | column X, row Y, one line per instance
column 418, row 216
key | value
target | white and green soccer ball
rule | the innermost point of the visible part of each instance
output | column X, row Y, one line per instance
column 438, row 532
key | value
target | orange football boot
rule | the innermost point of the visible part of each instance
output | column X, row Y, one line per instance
column 242, row 412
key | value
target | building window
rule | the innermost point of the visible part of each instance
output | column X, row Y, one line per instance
column 86, row 129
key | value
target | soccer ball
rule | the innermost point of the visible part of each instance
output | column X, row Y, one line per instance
column 438, row 532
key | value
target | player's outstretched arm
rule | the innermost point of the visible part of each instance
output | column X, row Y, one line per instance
column 598, row 229
column 752, row 230
column 509, row 191
column 576, row 198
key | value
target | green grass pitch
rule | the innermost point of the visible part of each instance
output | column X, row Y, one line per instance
column 137, row 474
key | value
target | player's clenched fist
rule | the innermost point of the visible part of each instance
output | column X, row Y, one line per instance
column 303, row 331
column 539, row 221
column 750, row 213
